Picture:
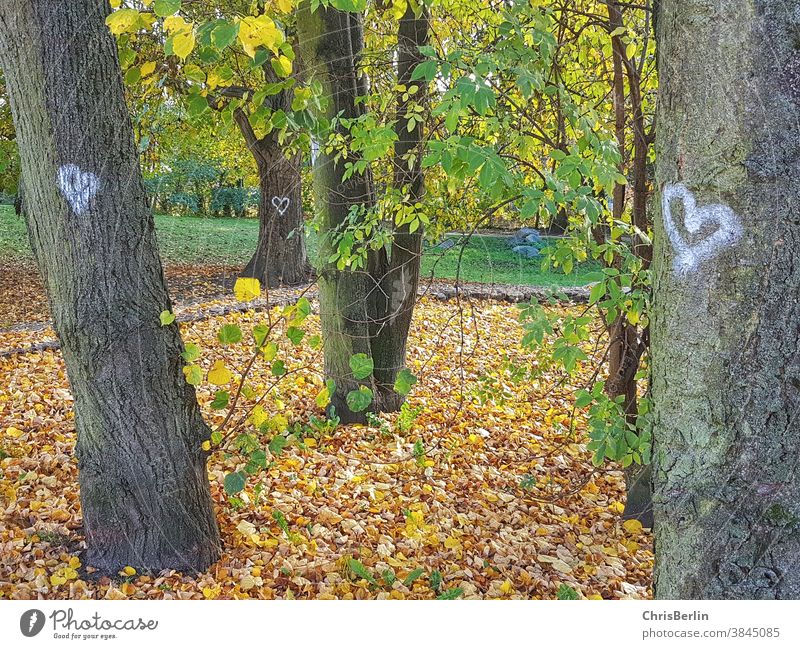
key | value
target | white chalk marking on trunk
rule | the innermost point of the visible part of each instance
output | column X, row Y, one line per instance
column 280, row 203
column 78, row 187
column 689, row 257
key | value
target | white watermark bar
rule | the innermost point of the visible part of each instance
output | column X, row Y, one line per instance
column 386, row 624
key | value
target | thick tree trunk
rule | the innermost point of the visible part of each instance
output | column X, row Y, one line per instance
column 280, row 255
column 144, row 488
column 366, row 311
column 726, row 364
column 327, row 37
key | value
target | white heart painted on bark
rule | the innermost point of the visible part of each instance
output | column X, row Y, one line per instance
column 281, row 204
column 77, row 186
column 689, row 257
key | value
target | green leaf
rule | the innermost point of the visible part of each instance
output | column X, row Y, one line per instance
column 404, row 382
column 229, row 334
column 567, row 592
column 278, row 368
column 425, row 70
column 221, row 399
column 358, row 400
column 277, row 444
column 164, row 8
column 193, row 374
column 453, row 593
column 167, row 318
column 259, row 459
column 197, row 105
column 362, row 366
column 190, row 353
column 295, row 334
column 224, row 34
column 435, row 580
column 388, row 576
column 234, row 482
column 412, row 576
column 359, row 570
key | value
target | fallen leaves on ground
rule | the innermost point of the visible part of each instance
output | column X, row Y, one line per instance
column 485, row 494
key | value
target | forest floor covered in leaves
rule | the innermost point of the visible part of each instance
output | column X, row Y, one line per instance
column 480, row 489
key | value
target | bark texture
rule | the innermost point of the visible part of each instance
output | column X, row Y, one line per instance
column 366, row 311
column 726, row 361
column 144, row 488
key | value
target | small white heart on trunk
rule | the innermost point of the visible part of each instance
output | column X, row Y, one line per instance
column 77, row 186
column 281, row 204
column 689, row 257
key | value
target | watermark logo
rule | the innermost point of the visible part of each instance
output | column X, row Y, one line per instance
column 31, row 622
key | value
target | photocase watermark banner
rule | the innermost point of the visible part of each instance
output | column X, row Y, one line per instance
column 397, row 624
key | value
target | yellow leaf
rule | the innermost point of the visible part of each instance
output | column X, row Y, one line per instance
column 115, row 4
column 122, row 21
column 14, row 432
column 206, row 446
column 283, row 66
column 617, row 507
column 176, row 24
column 148, row 68
column 219, row 374
column 247, row 289
column 128, row 571
column 255, row 31
column 57, row 580
column 507, row 587
column 74, row 562
column 285, row 5
column 632, row 526
column 595, row 596
column 183, row 44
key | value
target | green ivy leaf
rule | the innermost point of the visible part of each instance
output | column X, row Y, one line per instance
column 362, row 366
column 404, row 382
column 166, row 317
column 358, row 400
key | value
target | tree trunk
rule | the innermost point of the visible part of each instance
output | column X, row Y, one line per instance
column 365, row 311
column 626, row 346
column 327, row 38
column 144, row 488
column 726, row 363
column 399, row 274
column 280, row 255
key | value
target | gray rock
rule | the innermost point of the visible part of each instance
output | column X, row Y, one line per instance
column 529, row 252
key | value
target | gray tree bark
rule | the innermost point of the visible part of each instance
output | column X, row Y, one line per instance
column 726, row 323
column 144, row 488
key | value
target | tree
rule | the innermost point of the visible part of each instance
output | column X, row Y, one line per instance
column 726, row 367
column 367, row 297
column 144, row 488
column 205, row 67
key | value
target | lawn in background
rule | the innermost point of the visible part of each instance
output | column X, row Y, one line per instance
column 185, row 239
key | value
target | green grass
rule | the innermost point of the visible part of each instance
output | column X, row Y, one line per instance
column 184, row 239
